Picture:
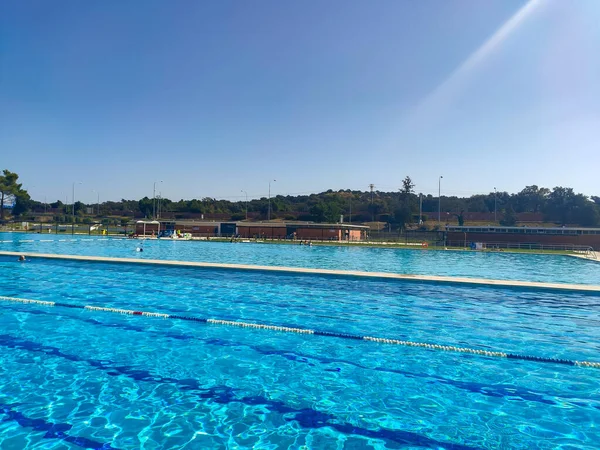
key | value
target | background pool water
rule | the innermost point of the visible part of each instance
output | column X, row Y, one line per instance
column 503, row 266
column 81, row 379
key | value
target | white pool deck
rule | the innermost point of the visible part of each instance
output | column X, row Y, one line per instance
column 588, row 257
column 341, row 273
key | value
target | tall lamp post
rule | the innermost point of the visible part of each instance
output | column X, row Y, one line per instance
column 246, row 203
column 154, row 200
column 495, row 206
column 158, row 204
column 73, row 224
column 269, row 213
column 440, row 200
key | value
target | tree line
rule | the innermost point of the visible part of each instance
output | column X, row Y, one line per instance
column 560, row 205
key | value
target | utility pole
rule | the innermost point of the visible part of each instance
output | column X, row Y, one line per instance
column 269, row 213
column 440, row 200
column 246, row 203
column 495, row 206
column 372, row 186
column 420, row 208
column 154, row 200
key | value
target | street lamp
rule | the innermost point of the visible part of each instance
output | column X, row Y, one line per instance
column 159, row 205
column 269, row 214
column 98, row 202
column 73, row 224
column 246, row 203
column 440, row 200
column 154, row 200
column 495, row 208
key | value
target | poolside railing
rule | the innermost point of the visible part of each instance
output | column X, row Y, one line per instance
column 584, row 249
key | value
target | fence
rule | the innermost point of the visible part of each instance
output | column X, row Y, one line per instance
column 63, row 228
column 431, row 237
column 526, row 246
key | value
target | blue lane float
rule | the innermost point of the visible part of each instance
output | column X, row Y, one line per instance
column 231, row 323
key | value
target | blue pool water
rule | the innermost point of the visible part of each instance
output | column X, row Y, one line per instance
column 503, row 266
column 83, row 379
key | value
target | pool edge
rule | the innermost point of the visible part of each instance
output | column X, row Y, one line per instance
column 465, row 281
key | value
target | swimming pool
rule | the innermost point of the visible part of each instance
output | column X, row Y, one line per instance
column 503, row 266
column 87, row 379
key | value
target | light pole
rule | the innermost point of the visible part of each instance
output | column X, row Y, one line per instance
column 440, row 200
column 495, row 206
column 269, row 213
column 159, row 205
column 246, row 203
column 420, row 208
column 98, row 202
column 154, row 200
column 73, row 224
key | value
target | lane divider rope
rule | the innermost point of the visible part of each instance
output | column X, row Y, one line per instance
column 231, row 323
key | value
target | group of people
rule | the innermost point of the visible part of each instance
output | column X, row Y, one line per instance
column 306, row 243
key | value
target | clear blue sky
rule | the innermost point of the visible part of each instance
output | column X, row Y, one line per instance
column 213, row 97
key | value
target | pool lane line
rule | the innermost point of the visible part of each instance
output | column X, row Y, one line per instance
column 231, row 323
column 435, row 279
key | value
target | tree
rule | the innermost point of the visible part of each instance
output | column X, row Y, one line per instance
column 318, row 212
column 23, row 203
column 510, row 218
column 407, row 186
column 561, row 202
column 402, row 216
column 531, row 199
column 403, row 212
column 145, row 205
column 584, row 212
column 460, row 218
column 9, row 189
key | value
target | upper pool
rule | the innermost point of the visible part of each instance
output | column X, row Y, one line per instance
column 502, row 266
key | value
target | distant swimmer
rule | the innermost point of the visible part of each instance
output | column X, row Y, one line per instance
column 22, row 258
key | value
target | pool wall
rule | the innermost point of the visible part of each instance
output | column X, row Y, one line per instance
column 580, row 288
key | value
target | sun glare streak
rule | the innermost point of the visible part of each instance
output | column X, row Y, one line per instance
column 444, row 93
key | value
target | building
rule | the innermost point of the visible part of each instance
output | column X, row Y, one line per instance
column 263, row 230
column 303, row 231
column 533, row 236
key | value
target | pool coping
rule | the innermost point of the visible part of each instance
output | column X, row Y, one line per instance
column 466, row 281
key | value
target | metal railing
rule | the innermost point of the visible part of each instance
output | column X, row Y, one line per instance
column 68, row 228
column 587, row 250
column 406, row 237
